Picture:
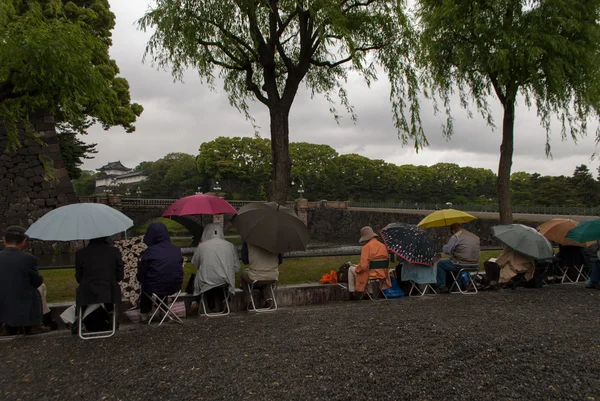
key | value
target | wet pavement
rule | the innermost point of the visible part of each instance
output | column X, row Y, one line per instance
column 539, row 344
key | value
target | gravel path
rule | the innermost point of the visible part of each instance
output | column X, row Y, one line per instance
column 524, row 344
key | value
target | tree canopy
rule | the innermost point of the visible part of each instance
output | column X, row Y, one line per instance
column 263, row 49
column 548, row 52
column 54, row 55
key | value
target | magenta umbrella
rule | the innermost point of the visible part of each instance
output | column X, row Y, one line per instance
column 199, row 204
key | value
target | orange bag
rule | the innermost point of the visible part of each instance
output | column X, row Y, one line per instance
column 329, row 278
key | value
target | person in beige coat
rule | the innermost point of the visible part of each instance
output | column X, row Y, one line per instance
column 263, row 267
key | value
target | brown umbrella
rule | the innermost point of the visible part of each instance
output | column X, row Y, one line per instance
column 556, row 230
column 272, row 227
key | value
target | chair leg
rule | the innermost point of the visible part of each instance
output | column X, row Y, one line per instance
column 225, row 312
column 99, row 334
column 455, row 283
column 415, row 286
column 166, row 309
column 261, row 310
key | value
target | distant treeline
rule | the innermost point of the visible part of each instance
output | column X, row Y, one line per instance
column 242, row 168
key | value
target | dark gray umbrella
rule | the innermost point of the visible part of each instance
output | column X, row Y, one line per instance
column 272, row 227
column 525, row 240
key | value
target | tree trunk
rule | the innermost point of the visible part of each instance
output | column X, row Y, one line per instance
column 504, row 168
column 282, row 165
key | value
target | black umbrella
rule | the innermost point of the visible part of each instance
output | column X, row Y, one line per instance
column 410, row 243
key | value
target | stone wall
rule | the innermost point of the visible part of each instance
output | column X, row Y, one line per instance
column 26, row 193
column 343, row 226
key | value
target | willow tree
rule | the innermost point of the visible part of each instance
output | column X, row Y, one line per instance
column 263, row 49
column 547, row 52
column 54, row 55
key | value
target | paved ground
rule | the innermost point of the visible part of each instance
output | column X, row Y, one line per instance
column 482, row 215
column 524, row 344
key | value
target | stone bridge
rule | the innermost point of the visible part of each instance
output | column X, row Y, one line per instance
column 328, row 221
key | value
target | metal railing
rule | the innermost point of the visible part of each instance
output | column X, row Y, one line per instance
column 559, row 210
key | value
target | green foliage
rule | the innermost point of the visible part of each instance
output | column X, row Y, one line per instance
column 264, row 49
column 85, row 183
column 580, row 190
column 173, row 176
column 74, row 151
column 546, row 51
column 54, row 55
column 326, row 175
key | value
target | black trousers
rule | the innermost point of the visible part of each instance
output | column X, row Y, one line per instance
column 146, row 302
column 214, row 299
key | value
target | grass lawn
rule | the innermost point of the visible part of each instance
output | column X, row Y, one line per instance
column 61, row 283
column 171, row 225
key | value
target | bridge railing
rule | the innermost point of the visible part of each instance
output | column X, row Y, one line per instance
column 557, row 210
column 146, row 202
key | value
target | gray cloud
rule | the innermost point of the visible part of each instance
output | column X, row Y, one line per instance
column 178, row 117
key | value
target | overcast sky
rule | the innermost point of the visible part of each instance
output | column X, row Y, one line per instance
column 178, row 117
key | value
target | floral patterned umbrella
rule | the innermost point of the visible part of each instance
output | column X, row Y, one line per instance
column 131, row 249
column 410, row 243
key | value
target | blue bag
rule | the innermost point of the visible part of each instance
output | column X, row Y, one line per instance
column 394, row 291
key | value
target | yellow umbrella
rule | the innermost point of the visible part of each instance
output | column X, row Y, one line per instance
column 556, row 230
column 445, row 217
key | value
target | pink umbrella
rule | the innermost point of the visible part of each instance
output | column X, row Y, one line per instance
column 199, row 204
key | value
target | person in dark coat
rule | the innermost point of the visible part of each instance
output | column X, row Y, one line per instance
column 20, row 302
column 160, row 268
column 98, row 270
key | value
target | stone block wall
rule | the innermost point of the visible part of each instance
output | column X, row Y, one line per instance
column 26, row 192
column 343, row 226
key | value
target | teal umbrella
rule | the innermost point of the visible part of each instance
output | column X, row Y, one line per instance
column 586, row 231
column 525, row 240
column 80, row 221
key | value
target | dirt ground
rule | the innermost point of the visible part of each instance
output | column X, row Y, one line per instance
column 527, row 344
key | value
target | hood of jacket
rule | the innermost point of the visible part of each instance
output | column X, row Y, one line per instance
column 211, row 231
column 155, row 233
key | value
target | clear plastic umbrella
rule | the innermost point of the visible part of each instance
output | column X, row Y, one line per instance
column 80, row 221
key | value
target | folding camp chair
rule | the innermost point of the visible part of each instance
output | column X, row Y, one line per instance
column 165, row 307
column 566, row 279
column 225, row 311
column 252, row 305
column 427, row 290
column 96, row 334
column 376, row 282
column 470, row 286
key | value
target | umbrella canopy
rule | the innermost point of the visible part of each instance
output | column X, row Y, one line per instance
column 523, row 239
column 445, row 217
column 585, row 231
column 556, row 230
column 199, row 204
column 272, row 227
column 410, row 243
column 80, row 221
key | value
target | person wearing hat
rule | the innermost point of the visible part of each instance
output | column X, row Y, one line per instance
column 20, row 301
column 359, row 275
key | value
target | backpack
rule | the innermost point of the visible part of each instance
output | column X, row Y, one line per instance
column 342, row 273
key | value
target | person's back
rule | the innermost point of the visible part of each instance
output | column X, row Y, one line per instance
column 98, row 270
column 263, row 265
column 216, row 260
column 160, row 269
column 20, row 302
column 467, row 251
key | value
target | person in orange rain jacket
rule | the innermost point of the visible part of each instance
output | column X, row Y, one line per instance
column 359, row 275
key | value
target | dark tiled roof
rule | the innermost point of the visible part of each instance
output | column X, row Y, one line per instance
column 114, row 166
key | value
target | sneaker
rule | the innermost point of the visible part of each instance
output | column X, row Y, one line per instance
column 593, row 286
column 268, row 303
